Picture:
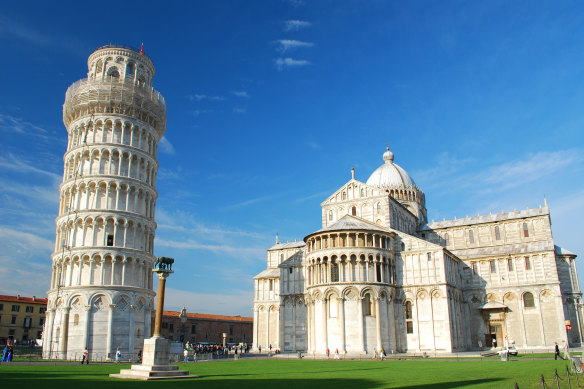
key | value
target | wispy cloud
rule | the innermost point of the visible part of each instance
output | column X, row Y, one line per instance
column 20, row 126
column 240, row 93
column 200, row 96
column 239, row 110
column 284, row 63
column 450, row 171
column 11, row 162
column 165, row 146
column 321, row 195
column 314, row 145
column 197, row 112
column 192, row 244
column 184, row 222
column 295, row 3
column 19, row 30
column 248, row 202
column 295, row 25
column 291, row 44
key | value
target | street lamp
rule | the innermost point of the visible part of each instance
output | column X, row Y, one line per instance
column 183, row 319
column 157, row 348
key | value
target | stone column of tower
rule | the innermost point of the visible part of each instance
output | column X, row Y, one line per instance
column 101, row 293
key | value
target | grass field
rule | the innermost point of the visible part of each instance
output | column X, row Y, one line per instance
column 289, row 374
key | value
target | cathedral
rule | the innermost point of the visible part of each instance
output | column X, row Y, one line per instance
column 378, row 276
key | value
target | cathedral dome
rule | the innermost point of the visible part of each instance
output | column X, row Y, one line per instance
column 390, row 175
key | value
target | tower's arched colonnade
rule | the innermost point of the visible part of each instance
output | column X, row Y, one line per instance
column 101, row 293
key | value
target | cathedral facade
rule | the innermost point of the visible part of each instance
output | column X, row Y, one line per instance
column 378, row 276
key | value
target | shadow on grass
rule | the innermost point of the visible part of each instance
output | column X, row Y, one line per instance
column 453, row 384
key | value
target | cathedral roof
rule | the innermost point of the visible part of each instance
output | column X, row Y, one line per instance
column 287, row 245
column 349, row 222
column 269, row 273
column 390, row 175
column 562, row 251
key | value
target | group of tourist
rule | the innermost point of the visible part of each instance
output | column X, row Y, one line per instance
column 8, row 353
column 215, row 349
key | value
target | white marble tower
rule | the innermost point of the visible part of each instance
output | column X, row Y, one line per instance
column 101, row 293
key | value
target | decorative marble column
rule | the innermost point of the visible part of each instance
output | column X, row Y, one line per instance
column 341, row 302
column 64, row 332
column 378, row 323
column 360, row 324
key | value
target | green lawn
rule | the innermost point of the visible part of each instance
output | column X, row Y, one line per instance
column 290, row 374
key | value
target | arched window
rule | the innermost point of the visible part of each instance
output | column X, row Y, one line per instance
column 447, row 239
column 130, row 69
column 470, row 236
column 525, row 230
column 362, row 192
column 354, row 211
column 113, row 72
column 378, row 207
column 334, row 272
column 344, row 195
column 333, row 306
column 497, row 233
column 368, row 305
column 409, row 318
column 330, row 215
column 528, row 300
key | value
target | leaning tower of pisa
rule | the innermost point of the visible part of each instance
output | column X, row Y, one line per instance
column 101, row 293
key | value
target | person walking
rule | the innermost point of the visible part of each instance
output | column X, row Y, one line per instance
column 85, row 357
column 5, row 354
column 556, row 351
column 186, row 355
column 328, row 353
column 118, row 356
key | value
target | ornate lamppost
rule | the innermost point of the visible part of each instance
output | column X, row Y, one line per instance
column 157, row 348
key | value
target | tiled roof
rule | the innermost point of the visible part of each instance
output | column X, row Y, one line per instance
column 287, row 245
column 349, row 222
column 208, row 316
column 22, row 299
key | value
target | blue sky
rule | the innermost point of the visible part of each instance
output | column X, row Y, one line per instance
column 270, row 104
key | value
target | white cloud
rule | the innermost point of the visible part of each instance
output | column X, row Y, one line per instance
column 11, row 162
column 239, row 110
column 291, row 44
column 240, row 93
column 165, row 146
column 295, row 25
column 18, row 30
column 20, row 126
column 450, row 171
column 248, row 202
column 200, row 96
column 190, row 244
column 197, row 112
column 283, row 63
column 295, row 3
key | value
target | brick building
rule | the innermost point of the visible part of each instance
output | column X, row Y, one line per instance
column 21, row 318
column 201, row 327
